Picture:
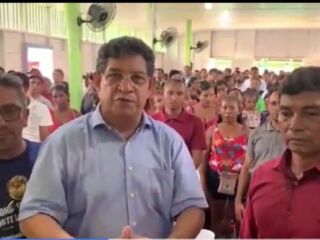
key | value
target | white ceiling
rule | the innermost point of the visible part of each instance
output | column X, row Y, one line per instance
column 243, row 15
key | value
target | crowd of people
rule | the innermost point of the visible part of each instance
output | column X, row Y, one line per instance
column 160, row 155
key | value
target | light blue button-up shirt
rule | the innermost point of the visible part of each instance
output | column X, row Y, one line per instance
column 94, row 183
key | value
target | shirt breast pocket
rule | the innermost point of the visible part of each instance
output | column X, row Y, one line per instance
column 161, row 190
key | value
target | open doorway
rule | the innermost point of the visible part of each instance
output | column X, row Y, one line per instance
column 40, row 57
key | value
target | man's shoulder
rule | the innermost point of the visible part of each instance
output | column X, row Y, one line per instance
column 163, row 130
column 265, row 171
column 259, row 130
column 73, row 129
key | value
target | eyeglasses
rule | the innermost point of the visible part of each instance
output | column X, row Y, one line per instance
column 10, row 112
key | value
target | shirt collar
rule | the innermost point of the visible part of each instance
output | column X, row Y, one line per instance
column 97, row 119
column 282, row 164
column 270, row 128
column 181, row 118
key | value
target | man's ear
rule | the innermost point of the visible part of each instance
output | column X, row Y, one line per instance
column 25, row 117
column 97, row 81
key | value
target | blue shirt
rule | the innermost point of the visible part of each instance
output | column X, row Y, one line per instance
column 94, row 183
column 14, row 174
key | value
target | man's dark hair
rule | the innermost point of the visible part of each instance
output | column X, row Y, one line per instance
column 160, row 69
column 36, row 77
column 14, row 82
column 301, row 80
column 125, row 46
column 213, row 70
column 271, row 89
column 24, row 78
column 254, row 68
column 251, row 93
column 173, row 72
column 204, row 86
column 2, row 69
column 59, row 70
column 173, row 81
column 192, row 80
column 60, row 87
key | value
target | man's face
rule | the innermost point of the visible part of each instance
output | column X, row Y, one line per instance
column 159, row 76
column 187, row 70
column 36, row 87
column 57, row 77
column 174, row 96
column 255, row 84
column 124, row 87
column 273, row 105
column 254, row 73
column 204, row 74
column 13, row 118
column 299, row 118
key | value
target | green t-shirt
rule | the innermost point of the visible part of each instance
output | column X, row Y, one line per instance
column 261, row 105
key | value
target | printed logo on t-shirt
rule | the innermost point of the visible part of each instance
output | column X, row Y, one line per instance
column 16, row 188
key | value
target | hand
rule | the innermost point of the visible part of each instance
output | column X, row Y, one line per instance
column 127, row 233
column 239, row 209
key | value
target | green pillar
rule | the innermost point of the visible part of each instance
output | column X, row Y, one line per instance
column 188, row 42
column 72, row 11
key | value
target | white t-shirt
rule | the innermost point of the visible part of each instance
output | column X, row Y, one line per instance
column 246, row 85
column 39, row 115
column 45, row 101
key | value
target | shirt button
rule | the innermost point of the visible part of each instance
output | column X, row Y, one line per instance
column 132, row 195
column 134, row 223
column 296, row 183
column 130, row 168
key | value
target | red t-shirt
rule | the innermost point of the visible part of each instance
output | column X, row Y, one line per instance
column 57, row 123
column 281, row 206
column 189, row 127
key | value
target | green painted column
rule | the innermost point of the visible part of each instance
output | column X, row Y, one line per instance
column 74, row 36
column 188, row 42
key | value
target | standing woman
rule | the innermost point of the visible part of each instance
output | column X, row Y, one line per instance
column 205, row 109
column 226, row 144
column 61, row 112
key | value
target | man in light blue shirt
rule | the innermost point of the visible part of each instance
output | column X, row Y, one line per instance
column 115, row 167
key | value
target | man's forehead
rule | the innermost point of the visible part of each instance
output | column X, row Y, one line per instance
column 304, row 99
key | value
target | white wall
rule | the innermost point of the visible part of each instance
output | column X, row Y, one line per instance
column 12, row 51
column 243, row 46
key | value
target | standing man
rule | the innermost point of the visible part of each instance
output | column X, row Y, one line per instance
column 39, row 120
column 187, row 73
column 58, row 76
column 115, row 166
column 190, row 127
column 265, row 143
column 16, row 154
column 254, row 74
column 283, row 200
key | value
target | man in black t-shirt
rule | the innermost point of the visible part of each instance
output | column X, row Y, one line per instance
column 16, row 154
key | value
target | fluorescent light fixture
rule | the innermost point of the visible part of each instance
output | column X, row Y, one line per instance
column 208, row 6
column 225, row 18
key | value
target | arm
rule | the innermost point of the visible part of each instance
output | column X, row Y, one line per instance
column 188, row 197
column 204, row 164
column 43, row 209
column 244, row 178
column 243, row 183
column 45, row 123
column 198, row 144
column 197, row 156
column 44, row 132
column 185, row 228
column 42, row 226
column 249, row 227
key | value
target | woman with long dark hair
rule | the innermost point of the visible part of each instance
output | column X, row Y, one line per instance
column 226, row 144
